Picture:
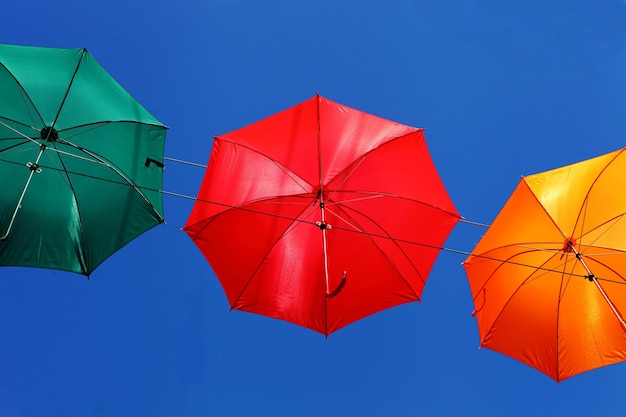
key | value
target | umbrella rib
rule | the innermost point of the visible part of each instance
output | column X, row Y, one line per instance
column 376, row 235
column 354, row 168
column 546, row 271
column 94, row 161
column 556, row 251
column 378, row 194
column 509, row 261
column 582, row 216
column 526, row 280
column 93, row 126
column 364, row 156
column 613, row 221
column 386, row 235
column 544, row 209
column 595, row 181
column 25, row 97
column 15, row 146
column 291, row 174
column 67, row 91
column 561, row 294
column 290, row 227
column 242, row 207
column 116, row 171
column 20, row 134
column 352, row 230
column 125, row 184
column 64, row 173
column 623, row 279
column 532, row 248
column 102, row 123
column 230, row 206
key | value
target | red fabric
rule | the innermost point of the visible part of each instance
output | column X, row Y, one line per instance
column 257, row 209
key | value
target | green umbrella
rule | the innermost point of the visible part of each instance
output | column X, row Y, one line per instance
column 80, row 161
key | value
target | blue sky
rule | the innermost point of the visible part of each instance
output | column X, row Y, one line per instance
column 503, row 88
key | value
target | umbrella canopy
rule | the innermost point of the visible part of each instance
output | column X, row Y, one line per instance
column 321, row 215
column 80, row 161
column 549, row 276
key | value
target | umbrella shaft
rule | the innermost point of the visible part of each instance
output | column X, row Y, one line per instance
column 34, row 167
column 593, row 278
column 324, row 240
column 613, row 308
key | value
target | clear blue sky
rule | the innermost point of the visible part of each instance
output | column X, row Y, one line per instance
column 503, row 88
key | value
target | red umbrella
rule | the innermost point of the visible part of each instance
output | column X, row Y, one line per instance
column 321, row 215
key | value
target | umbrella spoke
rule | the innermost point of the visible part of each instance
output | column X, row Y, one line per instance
column 585, row 203
column 368, row 195
column 20, row 134
column 69, row 87
column 351, row 168
column 336, row 214
column 27, row 101
column 530, row 249
column 293, row 176
column 66, row 176
column 509, row 261
column 373, row 195
column 72, row 155
column 81, row 129
column 16, row 145
column 384, row 234
column 355, row 166
column 18, row 123
column 116, row 170
column 286, row 231
column 300, row 182
column 609, row 223
column 608, row 267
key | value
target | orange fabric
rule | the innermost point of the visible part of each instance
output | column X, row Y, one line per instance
column 533, row 298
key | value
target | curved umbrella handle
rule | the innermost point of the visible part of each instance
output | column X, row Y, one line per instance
column 342, row 284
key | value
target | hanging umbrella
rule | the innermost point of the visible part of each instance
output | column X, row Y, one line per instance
column 321, row 215
column 549, row 276
column 80, row 161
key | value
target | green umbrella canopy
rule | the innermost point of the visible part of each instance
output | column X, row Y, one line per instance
column 80, row 161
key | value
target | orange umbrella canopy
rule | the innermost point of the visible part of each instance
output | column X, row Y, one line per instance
column 321, row 215
column 548, row 278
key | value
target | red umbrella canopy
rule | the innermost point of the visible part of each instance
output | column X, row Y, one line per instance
column 321, row 215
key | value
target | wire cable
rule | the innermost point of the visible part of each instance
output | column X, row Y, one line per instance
column 337, row 227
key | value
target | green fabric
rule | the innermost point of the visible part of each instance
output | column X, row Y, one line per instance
column 93, row 193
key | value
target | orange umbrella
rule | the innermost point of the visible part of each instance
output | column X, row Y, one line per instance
column 548, row 278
